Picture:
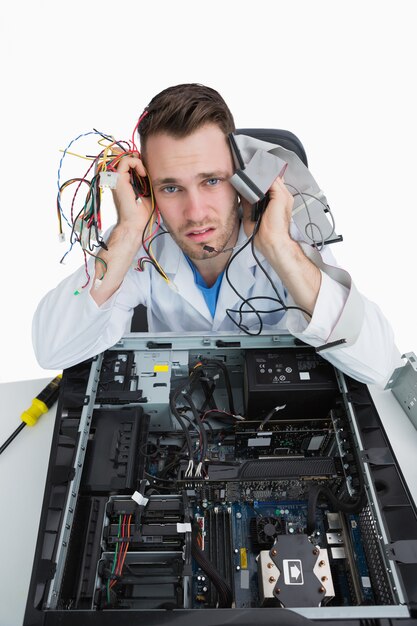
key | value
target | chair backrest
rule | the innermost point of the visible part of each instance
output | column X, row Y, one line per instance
column 283, row 138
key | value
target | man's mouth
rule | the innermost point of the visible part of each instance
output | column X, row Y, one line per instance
column 200, row 234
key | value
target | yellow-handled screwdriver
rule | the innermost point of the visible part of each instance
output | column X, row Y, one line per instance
column 40, row 405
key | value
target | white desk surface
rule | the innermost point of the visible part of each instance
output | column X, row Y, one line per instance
column 23, row 468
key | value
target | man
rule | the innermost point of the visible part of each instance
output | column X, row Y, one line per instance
column 186, row 155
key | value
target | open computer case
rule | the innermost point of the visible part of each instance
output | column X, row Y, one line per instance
column 221, row 480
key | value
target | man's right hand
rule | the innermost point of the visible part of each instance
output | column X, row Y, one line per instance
column 126, row 237
column 129, row 210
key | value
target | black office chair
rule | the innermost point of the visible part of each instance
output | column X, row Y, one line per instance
column 283, row 138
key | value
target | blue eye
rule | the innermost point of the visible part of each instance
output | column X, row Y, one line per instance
column 170, row 189
column 213, row 181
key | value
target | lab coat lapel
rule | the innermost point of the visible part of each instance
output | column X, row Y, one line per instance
column 177, row 268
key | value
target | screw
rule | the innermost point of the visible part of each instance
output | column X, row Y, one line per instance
column 321, row 563
column 274, row 552
column 277, row 590
column 324, row 578
column 316, row 551
column 270, row 565
column 271, row 579
column 322, row 589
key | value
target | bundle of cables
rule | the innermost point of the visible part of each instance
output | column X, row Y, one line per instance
column 122, row 546
column 85, row 223
column 199, row 378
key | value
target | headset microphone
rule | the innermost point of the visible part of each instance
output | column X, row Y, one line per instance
column 210, row 249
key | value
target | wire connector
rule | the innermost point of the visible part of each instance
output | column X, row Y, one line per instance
column 140, row 499
column 108, row 179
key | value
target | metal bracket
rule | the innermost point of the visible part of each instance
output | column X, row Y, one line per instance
column 403, row 384
column 378, row 456
column 402, row 551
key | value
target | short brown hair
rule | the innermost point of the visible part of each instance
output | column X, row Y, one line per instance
column 182, row 109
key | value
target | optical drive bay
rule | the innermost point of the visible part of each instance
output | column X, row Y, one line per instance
column 199, row 476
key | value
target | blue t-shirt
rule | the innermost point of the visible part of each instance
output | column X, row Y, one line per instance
column 210, row 294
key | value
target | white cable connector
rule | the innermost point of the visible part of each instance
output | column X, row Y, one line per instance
column 189, row 470
column 139, row 499
column 108, row 179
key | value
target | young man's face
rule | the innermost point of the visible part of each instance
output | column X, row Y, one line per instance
column 190, row 177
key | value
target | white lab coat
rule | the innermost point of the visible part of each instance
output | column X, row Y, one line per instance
column 68, row 328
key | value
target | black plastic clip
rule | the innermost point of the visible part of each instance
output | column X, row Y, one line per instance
column 153, row 345
column 331, row 344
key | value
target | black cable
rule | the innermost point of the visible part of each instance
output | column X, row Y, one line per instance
column 247, row 301
column 353, row 506
column 209, row 400
column 225, row 371
column 226, row 274
column 199, row 423
column 278, row 297
column 172, row 403
column 178, row 417
column 269, row 415
column 223, row 589
column 258, row 312
column 146, row 247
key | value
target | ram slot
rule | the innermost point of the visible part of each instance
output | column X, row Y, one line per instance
column 219, row 547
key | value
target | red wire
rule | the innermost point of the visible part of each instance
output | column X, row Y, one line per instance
column 144, row 114
column 158, row 223
column 83, row 179
column 122, row 561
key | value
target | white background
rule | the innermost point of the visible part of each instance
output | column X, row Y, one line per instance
column 339, row 74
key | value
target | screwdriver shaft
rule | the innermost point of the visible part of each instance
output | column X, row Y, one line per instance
column 12, row 436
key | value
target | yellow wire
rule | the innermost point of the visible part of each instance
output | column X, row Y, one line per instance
column 81, row 156
column 100, row 141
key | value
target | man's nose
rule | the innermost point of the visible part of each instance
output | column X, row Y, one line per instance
column 195, row 206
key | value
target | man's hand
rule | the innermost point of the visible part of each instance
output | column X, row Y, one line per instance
column 126, row 237
column 129, row 210
column 276, row 219
column 300, row 276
